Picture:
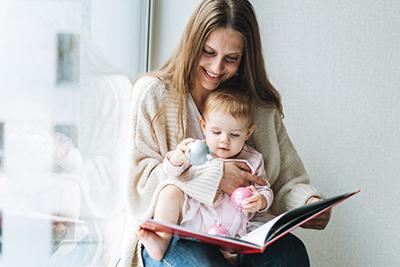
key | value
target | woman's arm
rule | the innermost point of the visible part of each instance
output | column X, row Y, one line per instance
column 284, row 168
column 147, row 151
column 297, row 190
column 292, row 186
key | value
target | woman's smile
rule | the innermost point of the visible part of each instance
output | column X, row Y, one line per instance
column 213, row 76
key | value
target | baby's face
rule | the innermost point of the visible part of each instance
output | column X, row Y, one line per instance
column 225, row 135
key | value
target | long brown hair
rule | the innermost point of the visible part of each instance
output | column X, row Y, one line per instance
column 178, row 72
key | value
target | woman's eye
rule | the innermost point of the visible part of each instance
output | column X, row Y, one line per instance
column 208, row 53
column 231, row 59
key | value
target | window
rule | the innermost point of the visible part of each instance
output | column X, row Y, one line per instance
column 69, row 130
column 44, row 46
column 68, row 137
column 1, row 232
column 67, row 58
column 1, row 145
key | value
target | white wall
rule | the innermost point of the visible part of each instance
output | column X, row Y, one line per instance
column 337, row 66
column 169, row 18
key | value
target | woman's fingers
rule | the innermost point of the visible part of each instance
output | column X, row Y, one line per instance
column 315, row 224
column 253, row 178
column 247, row 176
column 226, row 186
column 243, row 166
column 231, row 178
column 237, row 174
column 320, row 222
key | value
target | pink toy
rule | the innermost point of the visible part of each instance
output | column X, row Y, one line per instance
column 218, row 229
column 238, row 195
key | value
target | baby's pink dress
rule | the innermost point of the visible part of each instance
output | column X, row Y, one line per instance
column 201, row 217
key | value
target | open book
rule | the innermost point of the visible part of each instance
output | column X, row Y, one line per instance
column 257, row 240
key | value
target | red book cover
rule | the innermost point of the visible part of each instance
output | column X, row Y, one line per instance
column 259, row 239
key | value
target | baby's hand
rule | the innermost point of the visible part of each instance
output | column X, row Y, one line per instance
column 178, row 156
column 254, row 203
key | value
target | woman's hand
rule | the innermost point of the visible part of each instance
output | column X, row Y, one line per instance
column 254, row 203
column 320, row 222
column 237, row 174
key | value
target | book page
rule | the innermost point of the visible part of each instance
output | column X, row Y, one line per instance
column 292, row 219
column 258, row 235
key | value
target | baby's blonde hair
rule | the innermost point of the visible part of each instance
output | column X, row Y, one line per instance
column 232, row 102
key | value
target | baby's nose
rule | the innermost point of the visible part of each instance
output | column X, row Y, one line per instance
column 224, row 140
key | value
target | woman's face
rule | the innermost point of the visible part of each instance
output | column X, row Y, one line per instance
column 220, row 58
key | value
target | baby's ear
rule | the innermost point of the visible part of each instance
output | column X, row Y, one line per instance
column 202, row 123
column 250, row 131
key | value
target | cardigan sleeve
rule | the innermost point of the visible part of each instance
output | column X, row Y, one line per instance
column 283, row 166
column 147, row 155
column 292, row 187
column 149, row 150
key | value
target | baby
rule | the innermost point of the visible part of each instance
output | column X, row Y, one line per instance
column 227, row 123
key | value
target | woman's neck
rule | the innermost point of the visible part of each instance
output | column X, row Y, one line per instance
column 200, row 96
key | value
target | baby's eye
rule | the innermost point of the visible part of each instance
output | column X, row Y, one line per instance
column 235, row 135
column 216, row 132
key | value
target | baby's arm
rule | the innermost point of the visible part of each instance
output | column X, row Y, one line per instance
column 175, row 161
column 262, row 195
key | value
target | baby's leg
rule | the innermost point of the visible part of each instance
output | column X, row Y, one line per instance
column 168, row 209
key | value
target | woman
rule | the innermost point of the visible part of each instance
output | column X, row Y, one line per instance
column 221, row 45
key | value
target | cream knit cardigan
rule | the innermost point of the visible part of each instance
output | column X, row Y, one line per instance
column 284, row 169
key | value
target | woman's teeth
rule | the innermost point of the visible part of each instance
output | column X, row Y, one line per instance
column 212, row 75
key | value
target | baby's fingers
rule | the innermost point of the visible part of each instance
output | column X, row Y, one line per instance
column 250, row 207
column 251, row 199
column 252, row 188
column 183, row 146
column 187, row 141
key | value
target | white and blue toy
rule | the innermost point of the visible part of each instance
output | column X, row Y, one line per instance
column 199, row 153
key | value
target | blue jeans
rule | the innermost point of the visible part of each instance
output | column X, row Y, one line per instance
column 285, row 252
